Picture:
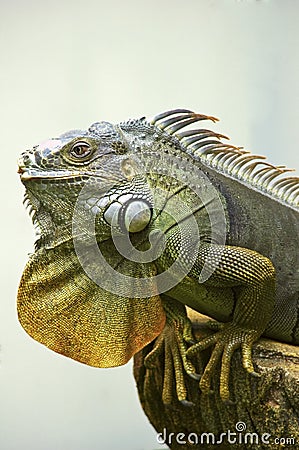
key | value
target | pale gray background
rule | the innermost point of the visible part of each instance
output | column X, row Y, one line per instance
column 66, row 64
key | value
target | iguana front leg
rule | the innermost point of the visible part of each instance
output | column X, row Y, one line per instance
column 252, row 278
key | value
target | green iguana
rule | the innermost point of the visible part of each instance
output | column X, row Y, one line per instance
column 139, row 219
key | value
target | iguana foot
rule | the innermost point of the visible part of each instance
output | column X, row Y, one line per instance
column 173, row 342
column 226, row 341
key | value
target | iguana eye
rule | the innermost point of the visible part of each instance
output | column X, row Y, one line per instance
column 80, row 150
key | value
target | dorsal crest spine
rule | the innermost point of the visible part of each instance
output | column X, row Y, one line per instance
column 207, row 146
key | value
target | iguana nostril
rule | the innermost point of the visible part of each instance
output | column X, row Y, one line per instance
column 22, row 163
column 25, row 161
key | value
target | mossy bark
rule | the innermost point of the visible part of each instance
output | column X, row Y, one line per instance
column 264, row 413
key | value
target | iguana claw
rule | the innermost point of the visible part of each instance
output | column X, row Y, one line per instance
column 226, row 341
column 173, row 342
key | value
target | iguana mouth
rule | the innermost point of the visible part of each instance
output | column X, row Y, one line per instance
column 28, row 175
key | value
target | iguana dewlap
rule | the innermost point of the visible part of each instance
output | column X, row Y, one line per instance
column 140, row 218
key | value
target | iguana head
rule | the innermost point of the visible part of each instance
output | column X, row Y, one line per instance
column 55, row 172
column 73, row 155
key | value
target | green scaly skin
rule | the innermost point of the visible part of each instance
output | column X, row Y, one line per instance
column 252, row 287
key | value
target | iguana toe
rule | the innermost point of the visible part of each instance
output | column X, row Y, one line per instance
column 173, row 342
column 225, row 343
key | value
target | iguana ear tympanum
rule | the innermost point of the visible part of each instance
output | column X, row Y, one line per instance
column 139, row 219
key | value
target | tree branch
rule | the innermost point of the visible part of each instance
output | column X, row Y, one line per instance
column 263, row 406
